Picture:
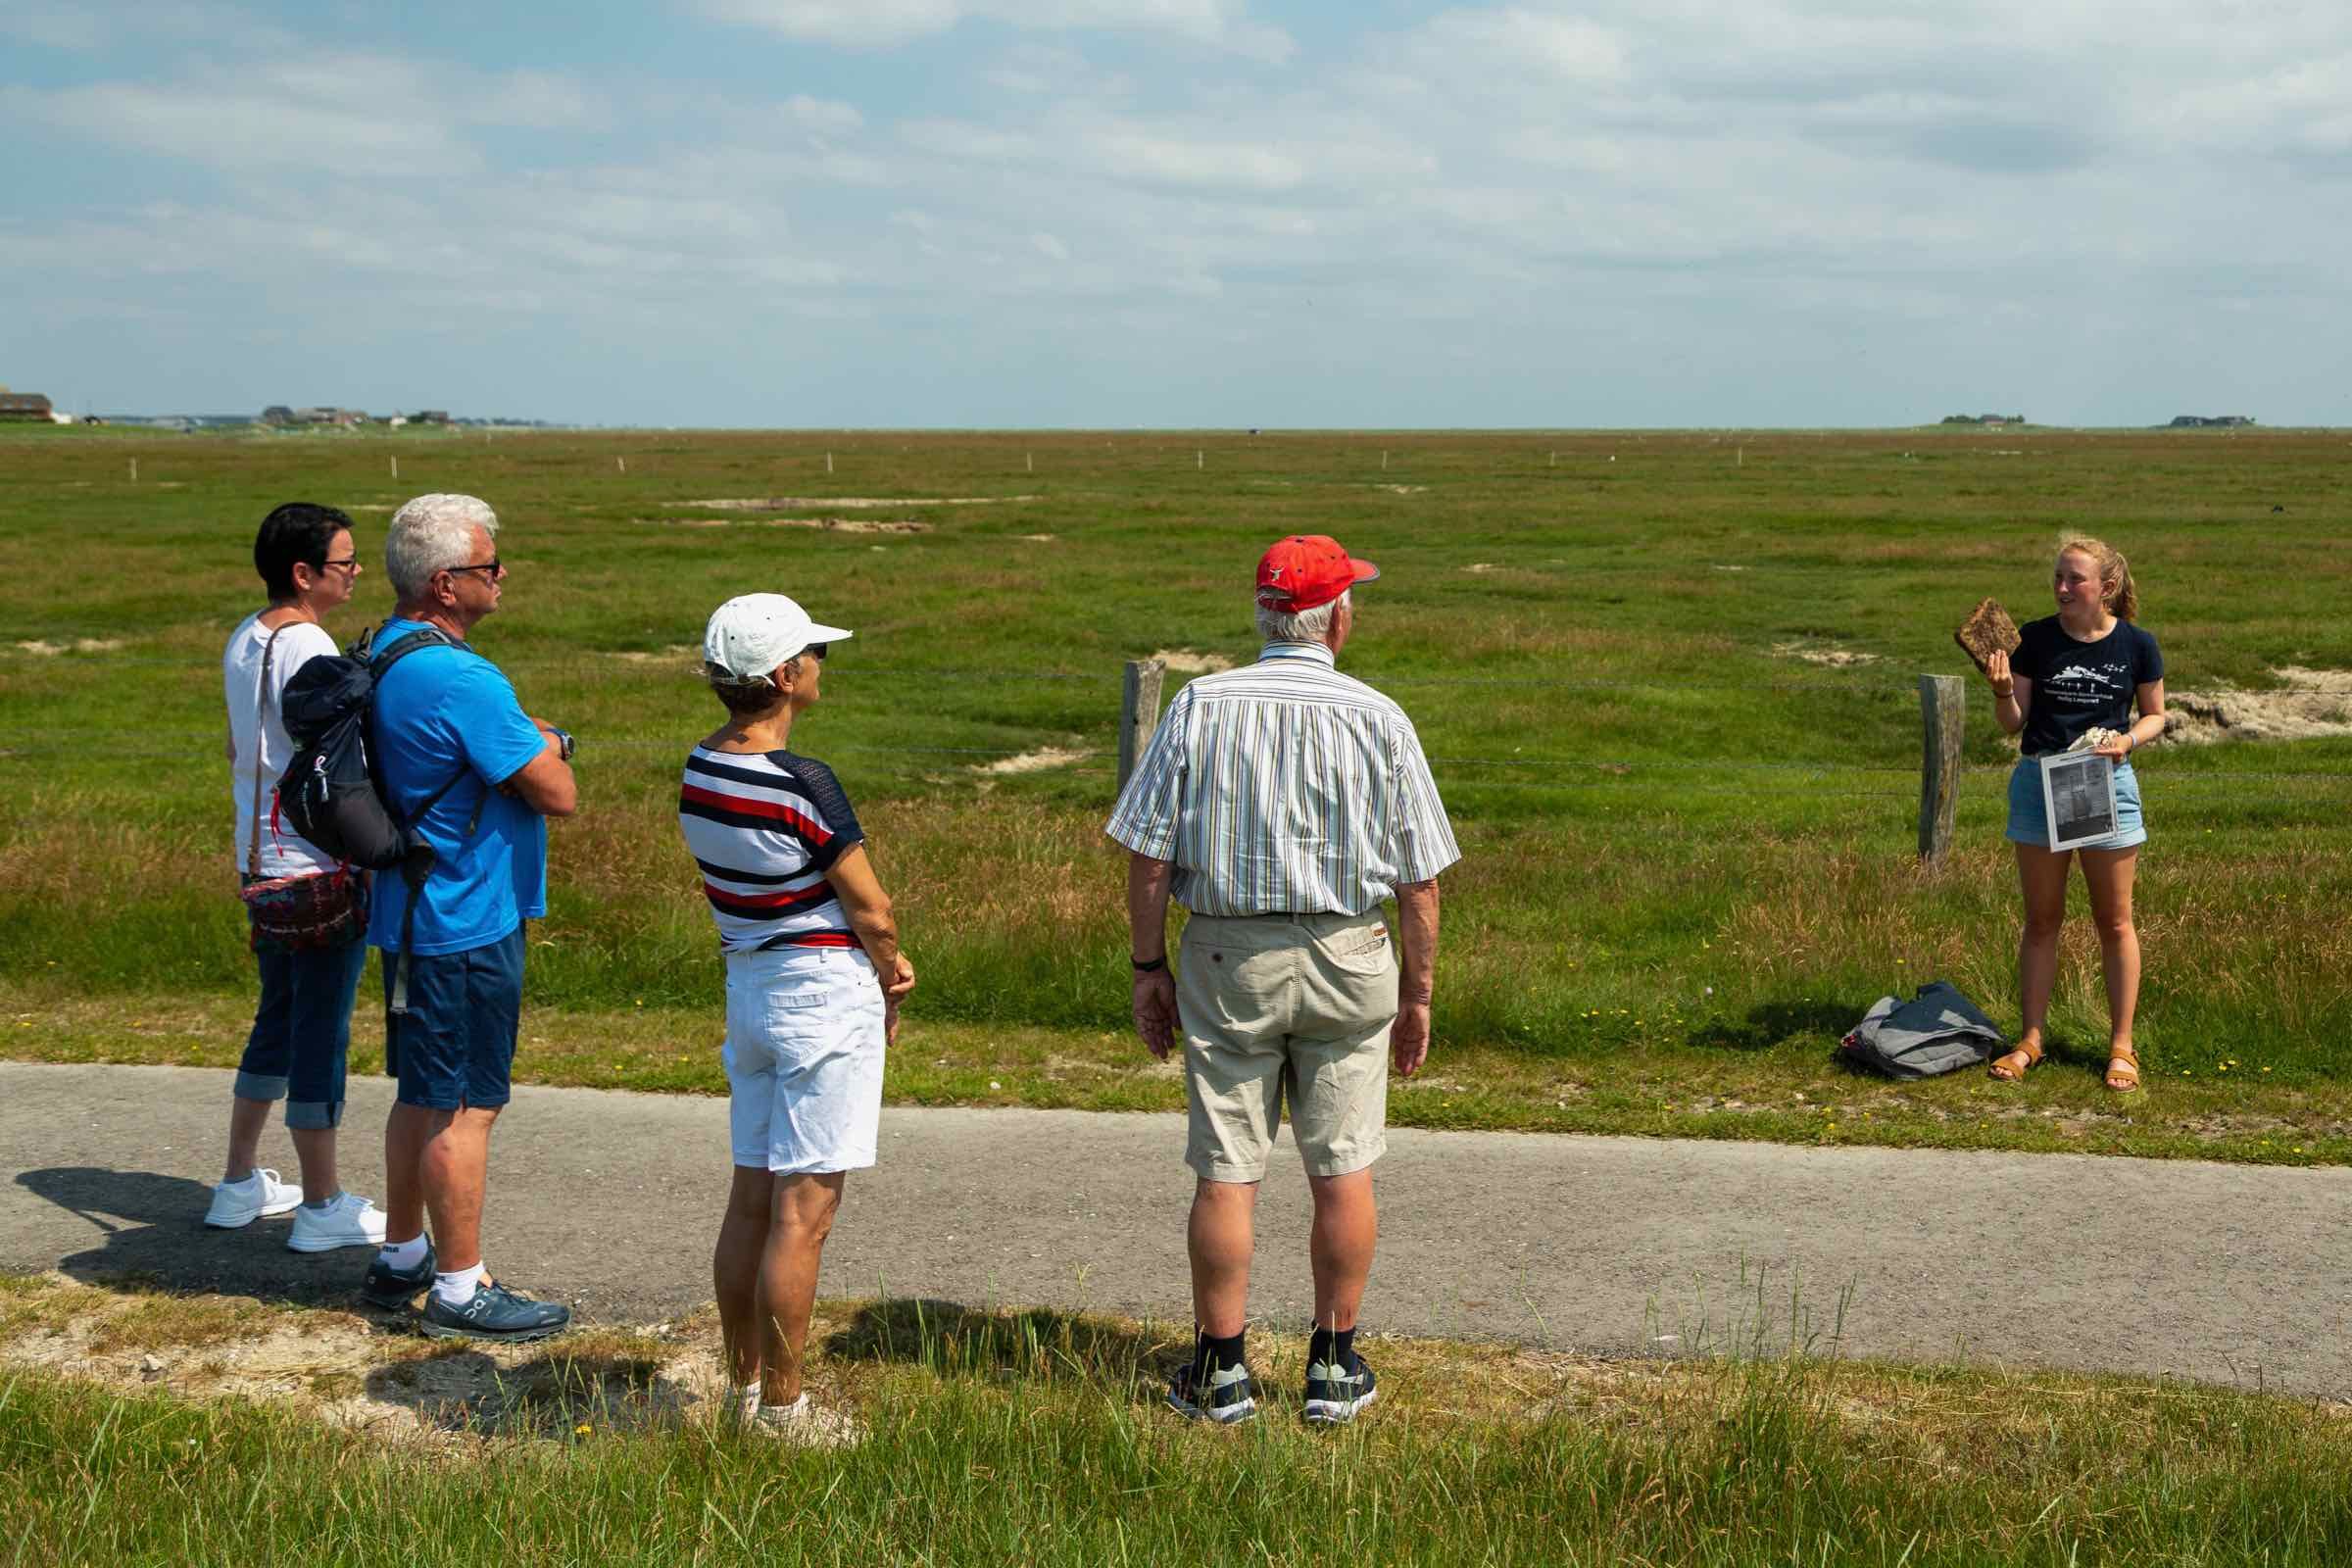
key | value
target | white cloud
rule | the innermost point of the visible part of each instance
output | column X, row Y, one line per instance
column 1564, row 46
column 882, row 24
column 825, row 116
column 391, row 115
column 1743, row 197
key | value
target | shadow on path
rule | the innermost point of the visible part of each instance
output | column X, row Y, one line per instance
column 150, row 1230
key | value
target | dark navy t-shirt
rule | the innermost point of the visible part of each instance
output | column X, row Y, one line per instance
column 2079, row 686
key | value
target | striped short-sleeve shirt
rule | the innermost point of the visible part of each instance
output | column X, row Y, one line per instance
column 765, row 827
column 1286, row 788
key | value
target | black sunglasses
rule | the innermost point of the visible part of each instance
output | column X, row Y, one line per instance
column 815, row 651
column 351, row 562
column 491, row 567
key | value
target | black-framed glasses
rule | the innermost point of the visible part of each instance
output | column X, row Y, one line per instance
column 492, row 566
column 815, row 651
column 348, row 564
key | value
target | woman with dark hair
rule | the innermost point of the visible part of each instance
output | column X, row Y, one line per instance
column 302, row 1028
column 2089, row 667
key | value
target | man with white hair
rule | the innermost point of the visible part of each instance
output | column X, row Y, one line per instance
column 461, row 763
column 1282, row 805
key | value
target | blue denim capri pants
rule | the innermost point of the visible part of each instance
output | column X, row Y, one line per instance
column 302, row 1032
column 2029, row 823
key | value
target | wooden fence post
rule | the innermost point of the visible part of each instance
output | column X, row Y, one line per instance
column 1139, row 711
column 1942, row 705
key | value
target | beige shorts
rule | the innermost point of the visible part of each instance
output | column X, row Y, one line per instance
column 1295, row 1006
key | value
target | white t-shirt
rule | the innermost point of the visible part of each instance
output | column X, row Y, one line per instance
column 284, row 853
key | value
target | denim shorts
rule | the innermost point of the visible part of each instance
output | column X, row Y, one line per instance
column 454, row 1046
column 302, row 1032
column 803, row 1059
column 2029, row 824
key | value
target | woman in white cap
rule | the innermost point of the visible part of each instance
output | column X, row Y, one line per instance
column 814, row 978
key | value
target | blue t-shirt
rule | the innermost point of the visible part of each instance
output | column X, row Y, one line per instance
column 438, row 711
column 2078, row 685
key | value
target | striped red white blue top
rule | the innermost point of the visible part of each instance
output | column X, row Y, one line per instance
column 765, row 827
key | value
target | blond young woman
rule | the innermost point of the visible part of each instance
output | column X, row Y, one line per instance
column 2087, row 666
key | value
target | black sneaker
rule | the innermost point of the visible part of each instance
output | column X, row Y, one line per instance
column 1229, row 1394
column 1335, row 1393
column 494, row 1313
column 395, row 1287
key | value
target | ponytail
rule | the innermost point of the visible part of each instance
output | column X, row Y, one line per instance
column 2116, row 588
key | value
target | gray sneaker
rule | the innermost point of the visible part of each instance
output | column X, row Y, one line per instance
column 395, row 1287
column 494, row 1313
column 1335, row 1393
column 1204, row 1392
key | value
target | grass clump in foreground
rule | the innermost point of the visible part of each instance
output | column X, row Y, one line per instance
column 1038, row 1438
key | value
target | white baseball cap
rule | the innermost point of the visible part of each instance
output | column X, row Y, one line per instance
column 752, row 635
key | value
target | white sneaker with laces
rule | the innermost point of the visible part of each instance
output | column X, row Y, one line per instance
column 237, row 1204
column 347, row 1221
column 806, row 1422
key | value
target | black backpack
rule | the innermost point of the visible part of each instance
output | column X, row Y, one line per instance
column 330, row 792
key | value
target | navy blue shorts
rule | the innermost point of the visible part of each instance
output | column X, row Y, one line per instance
column 302, row 1032
column 455, row 1044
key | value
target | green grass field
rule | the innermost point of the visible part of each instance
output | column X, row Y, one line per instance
column 1690, row 850
column 1038, row 1438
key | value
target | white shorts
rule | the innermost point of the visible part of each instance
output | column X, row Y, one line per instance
column 803, row 1059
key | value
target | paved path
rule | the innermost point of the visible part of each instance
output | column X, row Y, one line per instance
column 2223, row 1273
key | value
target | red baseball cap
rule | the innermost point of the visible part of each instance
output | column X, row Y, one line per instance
column 1308, row 570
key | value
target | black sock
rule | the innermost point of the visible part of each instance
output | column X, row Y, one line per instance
column 1332, row 1347
column 1208, row 1350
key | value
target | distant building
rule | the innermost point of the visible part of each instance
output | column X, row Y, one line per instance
column 2211, row 421
column 26, row 407
column 278, row 413
column 429, row 416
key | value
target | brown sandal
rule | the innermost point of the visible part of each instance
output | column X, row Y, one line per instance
column 2029, row 1051
column 2122, row 1072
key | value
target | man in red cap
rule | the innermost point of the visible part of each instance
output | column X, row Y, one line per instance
column 1282, row 805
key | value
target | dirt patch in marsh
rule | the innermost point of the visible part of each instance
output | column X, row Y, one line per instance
column 2308, row 704
column 845, row 503
column 825, row 525
column 1403, row 489
column 676, row 654
column 369, row 1372
column 1036, row 762
column 1188, row 661
column 1816, row 650
column 848, row 525
column 73, row 645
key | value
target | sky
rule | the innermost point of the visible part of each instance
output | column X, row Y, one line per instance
column 1184, row 213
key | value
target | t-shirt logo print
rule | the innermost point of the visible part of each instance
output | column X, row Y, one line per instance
column 2083, row 673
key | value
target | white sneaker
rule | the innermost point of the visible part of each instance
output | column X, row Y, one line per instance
column 806, row 1422
column 347, row 1221
column 237, row 1204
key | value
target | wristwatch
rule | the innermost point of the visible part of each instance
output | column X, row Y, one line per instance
column 1154, row 968
column 564, row 746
